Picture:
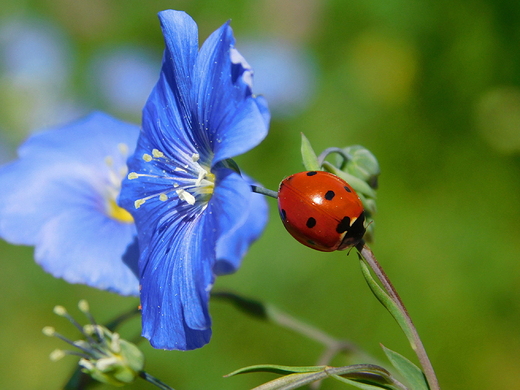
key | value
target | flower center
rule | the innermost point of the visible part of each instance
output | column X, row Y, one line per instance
column 191, row 183
column 118, row 213
column 116, row 175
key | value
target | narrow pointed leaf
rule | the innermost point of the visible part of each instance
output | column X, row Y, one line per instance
column 385, row 300
column 276, row 369
column 408, row 370
column 309, row 158
column 293, row 381
column 364, row 386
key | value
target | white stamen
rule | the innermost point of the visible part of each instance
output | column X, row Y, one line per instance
column 195, row 157
column 186, row 196
column 86, row 364
column 106, row 362
column 89, row 329
column 157, row 153
column 138, row 203
column 202, row 175
column 115, row 345
column 180, row 170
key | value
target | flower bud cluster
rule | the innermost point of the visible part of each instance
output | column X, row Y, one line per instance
column 103, row 354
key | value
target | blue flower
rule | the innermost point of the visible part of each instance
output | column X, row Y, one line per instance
column 195, row 215
column 60, row 196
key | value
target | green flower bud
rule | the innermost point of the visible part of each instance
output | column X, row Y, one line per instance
column 362, row 164
column 104, row 355
column 118, row 361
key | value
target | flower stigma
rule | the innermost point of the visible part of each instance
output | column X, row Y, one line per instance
column 116, row 175
column 193, row 183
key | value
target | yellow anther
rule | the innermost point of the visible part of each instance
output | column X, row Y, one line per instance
column 123, row 148
column 163, row 197
column 60, row 310
column 157, row 153
column 56, row 355
column 49, row 331
column 147, row 157
column 132, row 176
column 139, row 202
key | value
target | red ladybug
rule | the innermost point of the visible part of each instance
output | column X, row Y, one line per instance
column 321, row 210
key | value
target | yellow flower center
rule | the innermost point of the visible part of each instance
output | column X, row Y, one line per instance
column 118, row 213
column 117, row 171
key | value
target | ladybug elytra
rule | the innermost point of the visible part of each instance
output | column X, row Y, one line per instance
column 321, row 211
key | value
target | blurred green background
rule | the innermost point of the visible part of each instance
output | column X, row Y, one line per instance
column 431, row 87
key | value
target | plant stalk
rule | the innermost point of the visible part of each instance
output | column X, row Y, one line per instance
column 414, row 338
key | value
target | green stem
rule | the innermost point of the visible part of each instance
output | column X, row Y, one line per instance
column 153, row 380
column 268, row 312
column 410, row 330
column 264, row 191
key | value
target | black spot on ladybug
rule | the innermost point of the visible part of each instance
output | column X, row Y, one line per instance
column 283, row 214
column 311, row 222
column 312, row 173
column 344, row 225
column 330, row 195
column 348, row 189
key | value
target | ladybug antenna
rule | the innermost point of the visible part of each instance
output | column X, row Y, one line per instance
column 264, row 191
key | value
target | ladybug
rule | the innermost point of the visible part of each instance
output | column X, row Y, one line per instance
column 321, row 211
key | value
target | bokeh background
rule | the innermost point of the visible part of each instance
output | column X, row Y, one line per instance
column 431, row 87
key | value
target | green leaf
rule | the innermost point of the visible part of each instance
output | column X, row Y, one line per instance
column 385, row 300
column 363, row 376
column 310, row 161
column 408, row 370
column 364, row 386
column 293, row 381
column 276, row 369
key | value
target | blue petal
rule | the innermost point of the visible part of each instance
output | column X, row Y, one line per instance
column 241, row 219
column 85, row 247
column 178, row 266
column 234, row 120
column 181, row 38
column 175, row 280
column 54, row 198
column 167, row 116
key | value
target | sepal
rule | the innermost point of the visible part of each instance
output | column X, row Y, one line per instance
column 309, row 158
column 407, row 369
